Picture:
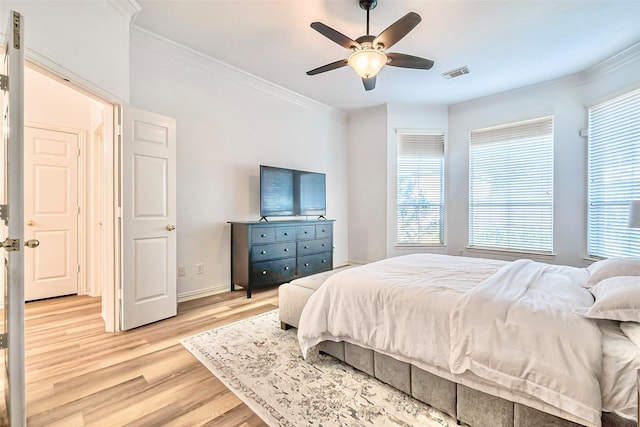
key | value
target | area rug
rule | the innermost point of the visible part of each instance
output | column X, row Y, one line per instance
column 263, row 366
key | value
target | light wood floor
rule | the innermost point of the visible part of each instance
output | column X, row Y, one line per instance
column 78, row 375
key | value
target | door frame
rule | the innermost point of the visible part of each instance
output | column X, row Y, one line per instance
column 112, row 186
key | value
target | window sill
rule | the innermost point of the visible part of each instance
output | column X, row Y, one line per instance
column 512, row 254
column 421, row 248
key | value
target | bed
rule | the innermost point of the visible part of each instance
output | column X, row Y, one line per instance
column 522, row 338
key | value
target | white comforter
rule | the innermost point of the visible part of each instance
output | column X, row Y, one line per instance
column 403, row 306
column 517, row 330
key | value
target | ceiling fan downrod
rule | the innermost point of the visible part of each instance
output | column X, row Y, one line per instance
column 368, row 5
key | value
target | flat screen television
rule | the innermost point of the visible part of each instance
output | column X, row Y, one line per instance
column 289, row 192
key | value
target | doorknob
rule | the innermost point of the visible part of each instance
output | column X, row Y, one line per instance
column 31, row 223
column 171, row 227
column 33, row 243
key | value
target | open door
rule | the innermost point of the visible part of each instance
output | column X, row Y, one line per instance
column 149, row 241
column 12, row 222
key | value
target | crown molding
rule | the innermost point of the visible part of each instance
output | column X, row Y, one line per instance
column 616, row 62
column 155, row 42
column 127, row 8
column 620, row 60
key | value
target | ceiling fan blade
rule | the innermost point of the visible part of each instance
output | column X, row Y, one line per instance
column 338, row 64
column 408, row 61
column 334, row 35
column 396, row 31
column 369, row 83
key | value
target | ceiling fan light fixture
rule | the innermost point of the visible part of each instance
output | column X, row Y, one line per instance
column 367, row 62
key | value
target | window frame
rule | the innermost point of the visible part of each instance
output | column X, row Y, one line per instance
column 429, row 138
column 540, row 131
column 613, row 236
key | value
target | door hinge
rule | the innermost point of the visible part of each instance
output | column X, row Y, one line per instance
column 11, row 245
column 4, row 341
column 121, row 294
column 78, row 152
column 78, row 269
column 16, row 30
column 119, row 130
column 4, row 82
column 4, row 214
column 78, row 210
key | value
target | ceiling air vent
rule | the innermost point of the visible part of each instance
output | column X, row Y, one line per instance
column 456, row 72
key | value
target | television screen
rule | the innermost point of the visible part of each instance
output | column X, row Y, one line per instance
column 288, row 192
column 312, row 193
column 276, row 191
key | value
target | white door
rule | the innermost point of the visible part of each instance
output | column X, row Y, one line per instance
column 13, row 227
column 51, row 212
column 148, row 218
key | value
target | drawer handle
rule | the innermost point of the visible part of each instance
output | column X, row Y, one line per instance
column 306, row 232
column 306, row 247
column 322, row 231
column 263, row 252
column 323, row 245
column 286, row 268
column 263, row 235
column 306, row 264
column 286, row 249
column 264, row 273
column 286, row 234
column 324, row 261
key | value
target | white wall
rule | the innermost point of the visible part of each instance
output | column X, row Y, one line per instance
column 567, row 99
column 88, row 39
column 367, row 136
column 228, row 123
column 49, row 102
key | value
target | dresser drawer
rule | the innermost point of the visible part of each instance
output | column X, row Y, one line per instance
column 306, row 232
column 271, row 272
column 311, row 264
column 324, row 230
column 263, row 235
column 273, row 251
column 308, row 247
column 284, row 234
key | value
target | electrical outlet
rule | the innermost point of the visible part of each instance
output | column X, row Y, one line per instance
column 182, row 271
column 200, row 268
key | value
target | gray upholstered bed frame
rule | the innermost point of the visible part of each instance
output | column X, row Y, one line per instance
column 467, row 405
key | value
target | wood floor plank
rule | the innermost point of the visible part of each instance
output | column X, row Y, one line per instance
column 78, row 375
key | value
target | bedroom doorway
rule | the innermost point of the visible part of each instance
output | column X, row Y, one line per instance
column 69, row 191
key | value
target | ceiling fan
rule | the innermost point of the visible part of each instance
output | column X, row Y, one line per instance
column 368, row 52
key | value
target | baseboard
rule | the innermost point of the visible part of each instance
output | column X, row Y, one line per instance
column 201, row 293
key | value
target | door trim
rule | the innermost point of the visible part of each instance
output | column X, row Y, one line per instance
column 112, row 249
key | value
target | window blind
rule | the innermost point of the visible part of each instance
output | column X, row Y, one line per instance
column 614, row 176
column 420, row 189
column 511, row 187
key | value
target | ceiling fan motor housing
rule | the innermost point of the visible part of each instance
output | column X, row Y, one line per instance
column 368, row 4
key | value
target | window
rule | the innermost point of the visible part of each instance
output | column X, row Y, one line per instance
column 614, row 176
column 511, row 187
column 420, row 189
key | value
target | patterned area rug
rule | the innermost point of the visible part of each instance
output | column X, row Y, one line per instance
column 263, row 366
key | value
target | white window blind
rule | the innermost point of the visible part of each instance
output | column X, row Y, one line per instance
column 614, row 176
column 511, row 187
column 420, row 189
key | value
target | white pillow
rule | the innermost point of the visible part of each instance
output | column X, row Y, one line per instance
column 617, row 298
column 632, row 331
column 612, row 267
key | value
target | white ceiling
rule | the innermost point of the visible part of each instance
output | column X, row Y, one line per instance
column 505, row 43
